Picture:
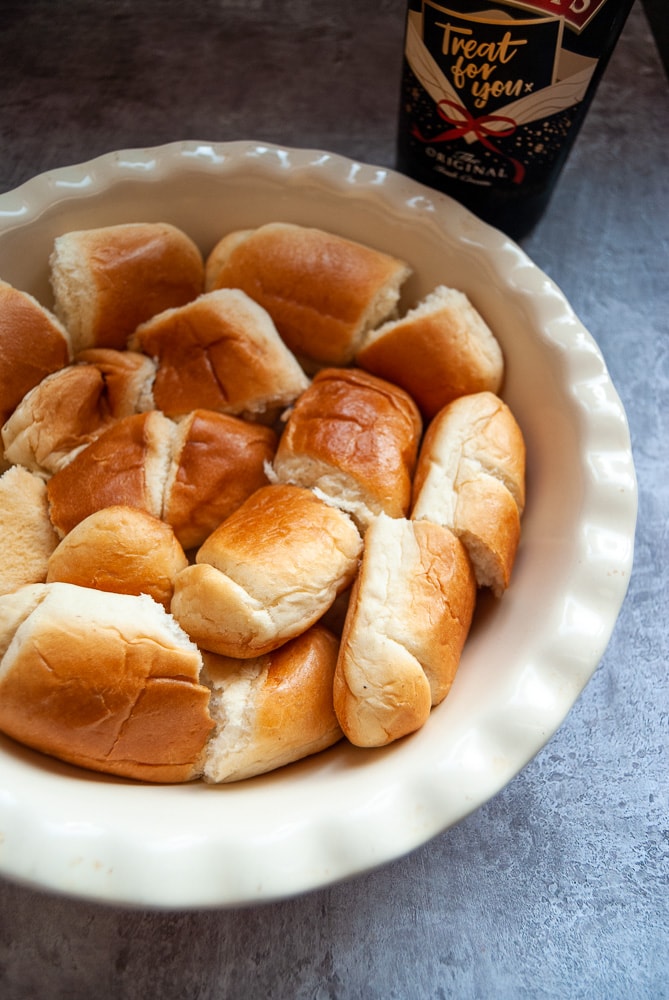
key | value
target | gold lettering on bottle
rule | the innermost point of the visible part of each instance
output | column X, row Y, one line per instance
column 471, row 49
column 457, row 41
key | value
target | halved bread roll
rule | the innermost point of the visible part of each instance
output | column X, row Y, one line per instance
column 27, row 537
column 107, row 281
column 33, row 344
column 128, row 377
column 267, row 573
column 322, row 291
column 104, row 681
column 217, row 462
column 470, row 477
column 73, row 406
column 271, row 710
column 127, row 464
column 119, row 549
column 408, row 619
column 191, row 473
column 354, row 438
column 221, row 352
column 438, row 351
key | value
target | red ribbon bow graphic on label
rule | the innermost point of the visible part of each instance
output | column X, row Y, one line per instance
column 465, row 123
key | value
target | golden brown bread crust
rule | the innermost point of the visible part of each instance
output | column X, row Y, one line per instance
column 27, row 537
column 33, row 343
column 128, row 377
column 321, row 290
column 189, row 474
column 470, row 477
column 220, row 254
column 221, row 352
column 273, row 709
column 62, row 414
column 350, row 443
column 114, row 469
column 408, row 620
column 73, row 406
column 439, row 351
column 103, row 681
column 267, row 573
column 107, row 281
column 487, row 522
column 354, row 437
column 120, row 549
column 217, row 462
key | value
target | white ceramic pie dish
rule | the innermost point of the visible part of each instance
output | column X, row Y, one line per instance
column 528, row 656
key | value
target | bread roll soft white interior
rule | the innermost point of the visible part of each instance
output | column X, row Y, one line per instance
column 408, row 619
column 27, row 537
column 271, row 710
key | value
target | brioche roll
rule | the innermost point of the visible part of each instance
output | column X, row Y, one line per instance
column 438, row 351
column 321, row 290
column 27, row 537
column 128, row 377
column 470, row 477
column 221, row 352
column 267, row 573
column 107, row 281
column 127, row 465
column 122, row 550
column 217, row 462
column 73, row 406
column 190, row 474
column 271, row 710
column 408, row 619
column 33, row 344
column 354, row 438
column 104, row 681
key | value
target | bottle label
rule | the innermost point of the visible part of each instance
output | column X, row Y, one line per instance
column 492, row 88
column 576, row 13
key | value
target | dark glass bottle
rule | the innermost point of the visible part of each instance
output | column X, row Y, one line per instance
column 494, row 94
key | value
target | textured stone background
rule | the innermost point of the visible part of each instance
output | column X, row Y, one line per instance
column 557, row 888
